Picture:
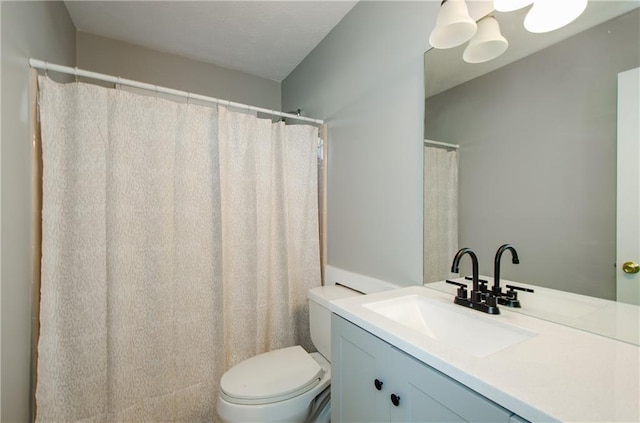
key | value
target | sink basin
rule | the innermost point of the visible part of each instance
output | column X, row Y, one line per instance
column 459, row 329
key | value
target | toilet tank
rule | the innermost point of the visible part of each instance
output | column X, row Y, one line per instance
column 320, row 315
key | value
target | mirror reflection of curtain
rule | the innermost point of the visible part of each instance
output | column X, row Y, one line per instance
column 177, row 241
column 440, row 211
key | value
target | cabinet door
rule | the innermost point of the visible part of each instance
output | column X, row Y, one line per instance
column 357, row 360
column 430, row 396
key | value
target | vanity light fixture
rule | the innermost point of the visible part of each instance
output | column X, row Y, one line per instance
column 454, row 26
column 488, row 42
column 549, row 15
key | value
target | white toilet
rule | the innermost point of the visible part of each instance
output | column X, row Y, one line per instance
column 286, row 385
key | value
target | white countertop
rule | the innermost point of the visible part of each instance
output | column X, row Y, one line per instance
column 561, row 374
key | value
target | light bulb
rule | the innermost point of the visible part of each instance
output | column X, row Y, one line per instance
column 549, row 15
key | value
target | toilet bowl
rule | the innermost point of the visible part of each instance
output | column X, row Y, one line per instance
column 289, row 384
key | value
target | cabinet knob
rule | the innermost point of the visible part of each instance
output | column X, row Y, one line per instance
column 378, row 384
column 395, row 399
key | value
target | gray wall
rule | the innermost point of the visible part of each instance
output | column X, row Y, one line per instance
column 538, row 158
column 366, row 79
column 130, row 61
column 29, row 29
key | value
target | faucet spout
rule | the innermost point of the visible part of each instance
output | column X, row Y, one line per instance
column 455, row 266
column 496, row 266
column 477, row 300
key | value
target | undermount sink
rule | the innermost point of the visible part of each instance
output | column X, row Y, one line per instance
column 458, row 329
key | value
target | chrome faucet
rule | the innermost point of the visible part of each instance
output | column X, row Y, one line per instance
column 477, row 300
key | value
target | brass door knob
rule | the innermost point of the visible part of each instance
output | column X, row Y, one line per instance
column 631, row 267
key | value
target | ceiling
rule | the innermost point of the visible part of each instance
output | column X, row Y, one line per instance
column 262, row 38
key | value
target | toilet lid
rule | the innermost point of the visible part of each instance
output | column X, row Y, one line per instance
column 270, row 377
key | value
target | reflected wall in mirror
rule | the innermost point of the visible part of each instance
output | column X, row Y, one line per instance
column 537, row 157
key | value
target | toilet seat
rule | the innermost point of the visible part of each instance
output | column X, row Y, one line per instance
column 271, row 377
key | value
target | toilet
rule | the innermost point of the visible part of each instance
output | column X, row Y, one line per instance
column 289, row 384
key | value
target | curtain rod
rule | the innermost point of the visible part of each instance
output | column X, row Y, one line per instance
column 40, row 64
column 442, row 144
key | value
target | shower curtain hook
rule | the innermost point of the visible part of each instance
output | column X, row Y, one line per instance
column 188, row 98
column 119, row 83
column 46, row 69
column 156, row 91
column 76, row 73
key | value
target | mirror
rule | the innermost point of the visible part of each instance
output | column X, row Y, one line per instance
column 537, row 135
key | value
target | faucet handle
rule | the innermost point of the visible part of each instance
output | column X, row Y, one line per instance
column 482, row 284
column 519, row 288
column 462, row 289
column 456, row 283
column 510, row 297
column 469, row 278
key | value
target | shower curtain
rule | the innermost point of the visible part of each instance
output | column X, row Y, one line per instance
column 440, row 212
column 177, row 241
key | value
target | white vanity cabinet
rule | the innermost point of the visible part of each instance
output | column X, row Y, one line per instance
column 367, row 372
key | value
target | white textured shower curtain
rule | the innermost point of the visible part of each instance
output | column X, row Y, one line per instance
column 177, row 241
column 440, row 212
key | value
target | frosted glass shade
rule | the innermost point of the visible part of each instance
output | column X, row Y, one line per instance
column 454, row 26
column 487, row 44
column 549, row 15
column 510, row 5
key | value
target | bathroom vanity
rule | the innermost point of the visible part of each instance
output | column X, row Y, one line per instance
column 410, row 354
column 404, row 389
